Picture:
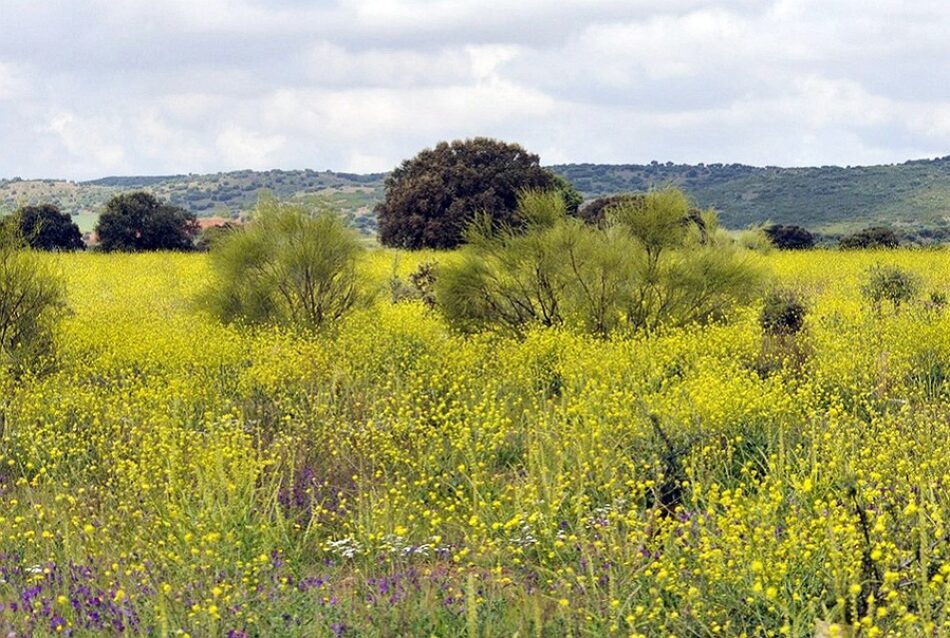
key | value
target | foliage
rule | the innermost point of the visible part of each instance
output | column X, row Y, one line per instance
column 138, row 221
column 420, row 286
column 431, row 198
column 572, row 198
column 211, row 236
column 174, row 475
column 755, row 239
column 873, row 237
column 287, row 266
column 783, row 312
column 595, row 211
column 654, row 263
column 790, row 237
column 889, row 283
column 840, row 200
column 45, row 227
column 32, row 299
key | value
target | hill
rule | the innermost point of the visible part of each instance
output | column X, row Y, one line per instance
column 913, row 196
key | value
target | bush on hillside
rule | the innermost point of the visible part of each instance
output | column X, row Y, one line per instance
column 889, row 283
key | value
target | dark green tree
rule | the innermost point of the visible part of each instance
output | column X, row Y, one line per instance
column 45, row 227
column 790, row 237
column 139, row 221
column 432, row 198
column 873, row 237
column 595, row 211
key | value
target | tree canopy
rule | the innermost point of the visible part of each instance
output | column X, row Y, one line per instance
column 139, row 221
column 790, row 237
column 45, row 227
column 431, row 198
column 873, row 237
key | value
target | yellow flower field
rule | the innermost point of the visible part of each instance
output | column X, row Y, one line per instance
column 170, row 476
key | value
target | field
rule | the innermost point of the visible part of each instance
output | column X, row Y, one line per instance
column 171, row 476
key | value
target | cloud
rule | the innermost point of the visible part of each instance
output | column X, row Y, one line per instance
column 155, row 87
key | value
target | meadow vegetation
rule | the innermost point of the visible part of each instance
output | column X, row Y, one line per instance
column 781, row 473
column 623, row 423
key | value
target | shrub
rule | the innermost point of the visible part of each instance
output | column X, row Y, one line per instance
column 790, row 237
column 653, row 263
column 139, row 221
column 936, row 300
column 45, row 227
column 874, row 237
column 783, row 313
column 755, row 239
column 32, row 299
column 431, row 198
column 287, row 266
column 595, row 211
column 213, row 235
column 420, row 287
column 889, row 283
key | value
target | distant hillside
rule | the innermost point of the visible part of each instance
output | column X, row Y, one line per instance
column 914, row 196
column 218, row 194
column 829, row 199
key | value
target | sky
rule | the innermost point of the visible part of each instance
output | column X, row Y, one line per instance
column 90, row 88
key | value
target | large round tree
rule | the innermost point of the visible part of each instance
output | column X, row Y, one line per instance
column 431, row 198
column 139, row 221
column 46, row 227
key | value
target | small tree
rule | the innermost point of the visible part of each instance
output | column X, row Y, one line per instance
column 286, row 266
column 432, row 198
column 790, row 237
column 45, row 227
column 139, row 221
column 874, row 237
column 889, row 283
column 32, row 299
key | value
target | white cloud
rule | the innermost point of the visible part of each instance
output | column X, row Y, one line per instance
column 245, row 148
column 153, row 87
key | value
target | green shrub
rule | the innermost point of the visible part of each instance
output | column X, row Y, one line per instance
column 874, row 237
column 287, row 266
column 790, row 237
column 755, row 239
column 783, row 313
column 889, row 283
column 32, row 299
column 420, row 287
column 654, row 262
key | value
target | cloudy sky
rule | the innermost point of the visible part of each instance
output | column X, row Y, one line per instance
column 103, row 87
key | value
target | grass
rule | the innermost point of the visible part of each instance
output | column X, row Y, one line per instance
column 386, row 477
